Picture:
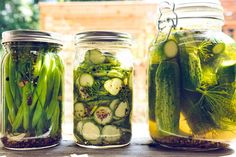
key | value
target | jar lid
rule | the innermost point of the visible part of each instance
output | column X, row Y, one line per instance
column 30, row 36
column 103, row 36
column 198, row 9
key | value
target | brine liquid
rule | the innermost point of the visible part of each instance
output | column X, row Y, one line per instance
column 207, row 106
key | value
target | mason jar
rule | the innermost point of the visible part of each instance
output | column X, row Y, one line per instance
column 191, row 78
column 103, row 73
column 32, row 87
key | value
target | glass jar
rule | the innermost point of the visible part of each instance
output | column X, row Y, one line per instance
column 103, row 89
column 191, row 78
column 32, row 80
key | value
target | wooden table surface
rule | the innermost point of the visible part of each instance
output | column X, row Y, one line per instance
column 141, row 146
column 135, row 149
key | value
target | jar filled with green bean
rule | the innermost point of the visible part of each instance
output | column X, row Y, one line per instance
column 32, row 80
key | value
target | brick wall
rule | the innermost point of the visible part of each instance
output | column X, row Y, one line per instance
column 230, row 17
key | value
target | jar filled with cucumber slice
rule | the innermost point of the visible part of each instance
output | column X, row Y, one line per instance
column 191, row 78
column 32, row 80
column 103, row 89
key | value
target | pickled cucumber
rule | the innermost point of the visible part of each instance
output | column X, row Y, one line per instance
column 102, row 100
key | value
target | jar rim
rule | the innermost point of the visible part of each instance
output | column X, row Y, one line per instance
column 194, row 9
column 103, row 36
column 30, row 36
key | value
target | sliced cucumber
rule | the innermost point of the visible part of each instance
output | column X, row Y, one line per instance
column 218, row 48
column 115, row 73
column 122, row 110
column 96, row 142
column 80, row 110
column 170, row 48
column 90, row 131
column 86, row 80
column 79, row 127
column 103, row 115
column 113, row 105
column 111, row 133
column 113, row 86
column 96, row 56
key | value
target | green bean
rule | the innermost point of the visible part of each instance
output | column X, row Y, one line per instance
column 38, row 65
column 26, row 94
column 12, row 77
column 8, row 94
column 41, row 82
column 19, row 118
column 55, row 120
column 50, row 79
column 59, row 63
column 56, row 88
column 40, row 126
column 19, row 79
column 40, row 106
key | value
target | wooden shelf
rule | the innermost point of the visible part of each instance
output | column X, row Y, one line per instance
column 135, row 149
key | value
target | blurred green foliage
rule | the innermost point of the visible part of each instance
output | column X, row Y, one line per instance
column 18, row 14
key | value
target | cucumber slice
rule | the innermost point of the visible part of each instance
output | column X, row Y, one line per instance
column 86, row 80
column 218, row 48
column 80, row 110
column 113, row 86
column 111, row 133
column 96, row 56
column 113, row 105
column 90, row 131
column 122, row 110
column 79, row 127
column 115, row 73
column 103, row 115
column 170, row 48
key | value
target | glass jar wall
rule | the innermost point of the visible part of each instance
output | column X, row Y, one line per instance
column 191, row 79
column 102, row 89
column 32, row 80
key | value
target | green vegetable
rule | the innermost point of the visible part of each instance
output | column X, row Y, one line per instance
column 111, row 133
column 113, row 86
column 19, row 119
column 79, row 127
column 80, row 110
column 191, row 70
column 122, row 110
column 95, row 56
column 27, row 93
column 86, row 80
column 115, row 73
column 113, row 105
column 169, row 48
column 55, row 121
column 9, row 98
column 103, row 115
column 211, row 110
column 167, row 109
column 101, row 90
column 90, row 131
column 218, row 48
column 54, row 99
column 42, row 82
column 226, row 72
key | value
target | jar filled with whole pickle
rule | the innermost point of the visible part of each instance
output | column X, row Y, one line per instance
column 103, row 89
column 191, row 78
column 32, row 80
